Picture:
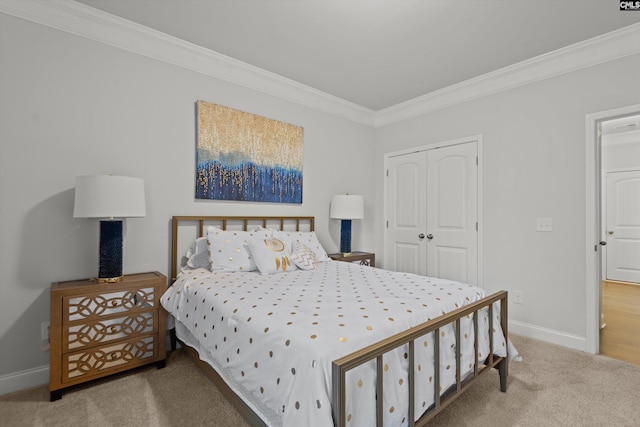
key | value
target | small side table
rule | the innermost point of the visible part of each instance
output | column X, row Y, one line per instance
column 99, row 329
column 365, row 258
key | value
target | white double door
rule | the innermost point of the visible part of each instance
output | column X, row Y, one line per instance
column 432, row 212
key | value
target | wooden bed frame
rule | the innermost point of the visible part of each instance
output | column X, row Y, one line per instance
column 373, row 352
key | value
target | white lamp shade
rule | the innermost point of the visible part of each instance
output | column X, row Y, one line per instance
column 109, row 196
column 347, row 206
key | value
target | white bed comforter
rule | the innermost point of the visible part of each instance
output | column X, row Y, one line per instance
column 273, row 338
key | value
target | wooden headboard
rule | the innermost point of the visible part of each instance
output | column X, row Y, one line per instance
column 185, row 229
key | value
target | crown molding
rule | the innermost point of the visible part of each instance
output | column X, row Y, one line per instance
column 84, row 21
column 597, row 50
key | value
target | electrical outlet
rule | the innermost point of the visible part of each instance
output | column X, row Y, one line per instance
column 518, row 297
column 44, row 331
column 44, row 335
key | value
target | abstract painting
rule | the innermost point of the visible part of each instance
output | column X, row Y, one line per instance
column 245, row 157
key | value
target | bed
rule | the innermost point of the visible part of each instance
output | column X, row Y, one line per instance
column 318, row 343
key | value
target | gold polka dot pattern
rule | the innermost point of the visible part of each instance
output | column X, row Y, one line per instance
column 228, row 251
column 273, row 337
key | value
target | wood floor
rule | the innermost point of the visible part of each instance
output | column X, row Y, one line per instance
column 620, row 337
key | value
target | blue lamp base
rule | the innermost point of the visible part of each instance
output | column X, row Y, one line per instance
column 110, row 251
column 345, row 237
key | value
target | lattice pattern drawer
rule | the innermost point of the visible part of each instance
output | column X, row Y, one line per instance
column 93, row 361
column 104, row 331
column 95, row 305
column 99, row 329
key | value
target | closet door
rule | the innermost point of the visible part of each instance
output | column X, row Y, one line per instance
column 452, row 213
column 432, row 212
column 407, row 213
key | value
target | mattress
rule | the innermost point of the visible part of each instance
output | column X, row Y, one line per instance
column 273, row 337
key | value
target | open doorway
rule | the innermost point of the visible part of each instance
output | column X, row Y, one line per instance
column 620, row 268
column 613, row 233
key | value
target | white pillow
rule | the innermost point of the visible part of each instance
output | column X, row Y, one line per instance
column 308, row 238
column 228, row 251
column 197, row 256
column 271, row 255
column 303, row 257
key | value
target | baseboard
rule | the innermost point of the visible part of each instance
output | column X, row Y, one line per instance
column 38, row 376
column 24, row 379
column 549, row 335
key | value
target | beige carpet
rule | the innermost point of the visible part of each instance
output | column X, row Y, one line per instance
column 553, row 386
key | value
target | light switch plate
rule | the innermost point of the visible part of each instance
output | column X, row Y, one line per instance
column 544, row 224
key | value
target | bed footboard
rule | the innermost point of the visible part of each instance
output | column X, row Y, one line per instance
column 376, row 351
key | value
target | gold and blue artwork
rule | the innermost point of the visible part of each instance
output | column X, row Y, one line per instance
column 245, row 157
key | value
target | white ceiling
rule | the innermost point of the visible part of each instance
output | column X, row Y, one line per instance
column 377, row 53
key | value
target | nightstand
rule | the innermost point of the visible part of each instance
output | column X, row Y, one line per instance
column 99, row 329
column 365, row 258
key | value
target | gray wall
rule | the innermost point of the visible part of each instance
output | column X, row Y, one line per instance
column 69, row 107
column 534, row 166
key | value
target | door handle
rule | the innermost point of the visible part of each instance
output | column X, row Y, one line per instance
column 429, row 236
column 603, row 243
column 421, row 236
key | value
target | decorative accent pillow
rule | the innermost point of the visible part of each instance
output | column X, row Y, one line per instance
column 228, row 251
column 271, row 255
column 308, row 238
column 303, row 257
column 197, row 256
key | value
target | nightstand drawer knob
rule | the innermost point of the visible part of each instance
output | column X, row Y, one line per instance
column 113, row 329
column 114, row 303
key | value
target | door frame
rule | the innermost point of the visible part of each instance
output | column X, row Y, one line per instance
column 478, row 139
column 593, row 254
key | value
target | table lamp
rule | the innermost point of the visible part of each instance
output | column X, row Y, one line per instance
column 109, row 197
column 346, row 207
